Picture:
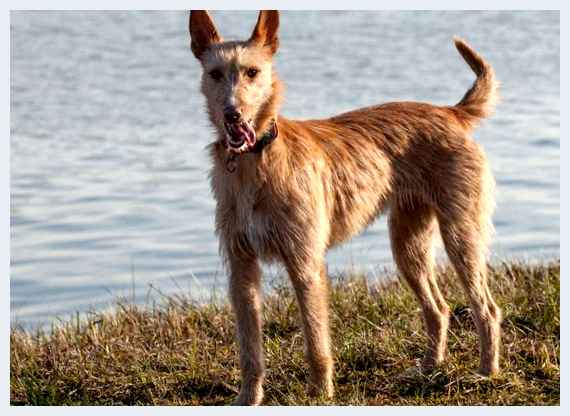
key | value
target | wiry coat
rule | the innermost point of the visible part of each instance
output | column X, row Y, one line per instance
column 323, row 181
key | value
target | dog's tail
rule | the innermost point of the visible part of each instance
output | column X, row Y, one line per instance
column 479, row 101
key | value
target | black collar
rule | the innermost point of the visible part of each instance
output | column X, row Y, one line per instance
column 268, row 137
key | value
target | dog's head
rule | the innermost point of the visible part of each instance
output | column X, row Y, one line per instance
column 237, row 80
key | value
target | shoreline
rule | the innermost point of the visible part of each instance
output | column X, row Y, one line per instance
column 215, row 289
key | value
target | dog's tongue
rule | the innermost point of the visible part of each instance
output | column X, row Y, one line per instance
column 246, row 132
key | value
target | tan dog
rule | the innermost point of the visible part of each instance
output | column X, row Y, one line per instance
column 288, row 190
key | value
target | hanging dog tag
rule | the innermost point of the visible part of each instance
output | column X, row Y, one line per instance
column 231, row 163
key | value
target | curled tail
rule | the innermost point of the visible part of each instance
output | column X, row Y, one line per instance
column 479, row 101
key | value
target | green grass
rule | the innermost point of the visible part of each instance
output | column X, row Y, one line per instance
column 184, row 354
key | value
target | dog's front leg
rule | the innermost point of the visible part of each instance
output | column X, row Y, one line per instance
column 312, row 290
column 245, row 295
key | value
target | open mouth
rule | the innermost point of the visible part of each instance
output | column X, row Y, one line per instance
column 240, row 136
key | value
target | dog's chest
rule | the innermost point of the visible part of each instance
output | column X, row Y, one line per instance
column 252, row 216
column 254, row 219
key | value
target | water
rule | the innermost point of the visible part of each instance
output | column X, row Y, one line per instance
column 109, row 187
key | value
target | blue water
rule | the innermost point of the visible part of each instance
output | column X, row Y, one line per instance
column 109, row 186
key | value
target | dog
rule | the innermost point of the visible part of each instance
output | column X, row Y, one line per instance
column 288, row 190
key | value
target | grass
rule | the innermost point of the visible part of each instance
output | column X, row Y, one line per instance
column 185, row 354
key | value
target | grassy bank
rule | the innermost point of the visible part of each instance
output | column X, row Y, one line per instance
column 183, row 354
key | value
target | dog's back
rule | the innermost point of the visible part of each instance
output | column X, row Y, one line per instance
column 402, row 152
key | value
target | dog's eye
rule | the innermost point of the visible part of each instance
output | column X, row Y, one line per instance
column 216, row 74
column 252, row 72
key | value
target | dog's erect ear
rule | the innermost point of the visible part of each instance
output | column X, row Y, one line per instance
column 265, row 32
column 203, row 33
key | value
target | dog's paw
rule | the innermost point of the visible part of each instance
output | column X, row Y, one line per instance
column 323, row 391
column 480, row 377
column 488, row 371
column 245, row 401
column 249, row 397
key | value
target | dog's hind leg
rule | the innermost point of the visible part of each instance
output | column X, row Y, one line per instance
column 245, row 295
column 312, row 289
column 412, row 230
column 466, row 249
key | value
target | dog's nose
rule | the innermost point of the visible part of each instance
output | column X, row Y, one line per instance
column 231, row 115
